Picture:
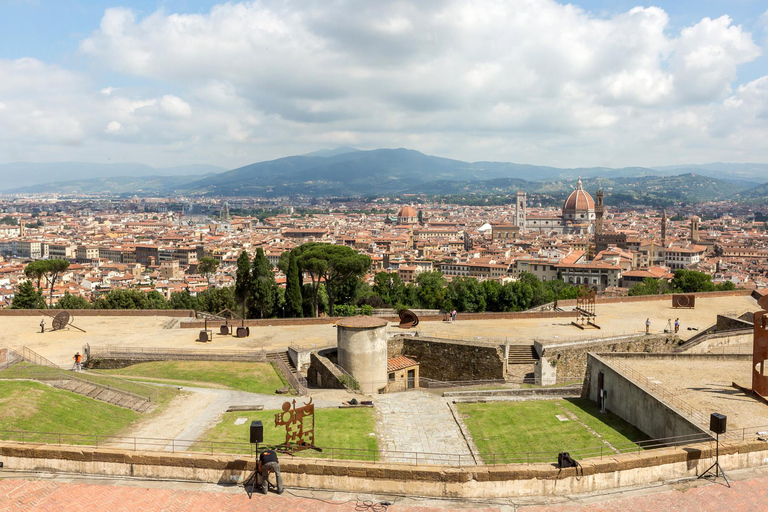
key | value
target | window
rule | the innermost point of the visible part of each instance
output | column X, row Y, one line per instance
column 392, row 377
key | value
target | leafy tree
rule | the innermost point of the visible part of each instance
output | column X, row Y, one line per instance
column 243, row 281
column 466, row 294
column 293, row 299
column 156, row 300
column 27, row 297
column 725, row 286
column 389, row 287
column 36, row 270
column 9, row 220
column 262, row 286
column 217, row 299
column 430, row 290
column 650, row 286
column 492, row 292
column 69, row 301
column 309, row 304
column 691, row 281
column 334, row 264
column 207, row 267
column 184, row 300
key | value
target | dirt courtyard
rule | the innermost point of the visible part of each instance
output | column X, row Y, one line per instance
column 164, row 332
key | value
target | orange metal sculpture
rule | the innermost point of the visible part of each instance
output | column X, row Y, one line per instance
column 299, row 426
column 760, row 350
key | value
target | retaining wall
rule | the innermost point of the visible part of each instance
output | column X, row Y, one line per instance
column 634, row 404
column 487, row 481
column 176, row 313
column 449, row 360
column 656, row 298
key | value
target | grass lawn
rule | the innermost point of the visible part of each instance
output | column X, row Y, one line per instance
column 533, row 427
column 31, row 406
column 349, row 429
column 251, row 377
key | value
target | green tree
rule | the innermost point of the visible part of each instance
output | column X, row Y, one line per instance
column 217, row 299
column 36, row 270
column 69, row 301
column 184, row 300
column 309, row 304
column 334, row 265
column 243, row 282
column 466, row 294
column 650, row 286
column 262, row 286
column 691, row 281
column 390, row 288
column 27, row 297
column 725, row 286
column 492, row 292
column 207, row 267
column 430, row 290
column 293, row 299
column 156, row 300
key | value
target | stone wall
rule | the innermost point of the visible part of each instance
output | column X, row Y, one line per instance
column 322, row 372
column 570, row 359
column 176, row 313
column 729, row 323
column 449, row 360
column 484, row 481
column 657, row 298
column 634, row 404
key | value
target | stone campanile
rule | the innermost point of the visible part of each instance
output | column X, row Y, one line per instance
column 520, row 211
column 599, row 210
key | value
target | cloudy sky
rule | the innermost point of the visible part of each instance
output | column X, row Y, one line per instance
column 594, row 82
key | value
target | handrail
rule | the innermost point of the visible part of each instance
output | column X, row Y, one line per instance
column 299, row 384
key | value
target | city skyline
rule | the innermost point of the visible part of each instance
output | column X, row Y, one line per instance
column 594, row 83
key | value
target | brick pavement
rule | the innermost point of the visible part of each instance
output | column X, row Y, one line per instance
column 61, row 495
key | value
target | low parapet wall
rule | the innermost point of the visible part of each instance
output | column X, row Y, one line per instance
column 486, row 481
column 658, row 298
column 176, row 313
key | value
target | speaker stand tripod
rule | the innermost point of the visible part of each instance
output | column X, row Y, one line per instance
column 255, row 473
column 716, row 466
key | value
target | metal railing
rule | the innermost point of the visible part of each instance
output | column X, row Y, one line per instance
column 297, row 382
column 664, row 396
column 229, row 448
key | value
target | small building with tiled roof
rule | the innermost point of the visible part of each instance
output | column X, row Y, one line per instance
column 402, row 374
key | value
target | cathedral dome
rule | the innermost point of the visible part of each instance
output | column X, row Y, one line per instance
column 407, row 215
column 579, row 201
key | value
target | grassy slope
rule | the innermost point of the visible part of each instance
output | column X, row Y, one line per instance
column 336, row 428
column 251, row 377
column 32, row 406
column 521, row 427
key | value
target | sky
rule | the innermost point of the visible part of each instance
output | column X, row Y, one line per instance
column 590, row 83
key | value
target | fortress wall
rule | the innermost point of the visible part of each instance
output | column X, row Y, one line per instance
column 485, row 481
column 449, row 360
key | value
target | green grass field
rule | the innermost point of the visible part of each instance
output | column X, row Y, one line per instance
column 251, row 377
column 349, row 429
column 533, row 428
column 35, row 407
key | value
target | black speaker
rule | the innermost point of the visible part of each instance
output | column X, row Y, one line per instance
column 717, row 423
column 257, row 432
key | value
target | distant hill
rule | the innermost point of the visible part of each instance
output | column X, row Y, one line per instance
column 23, row 174
column 116, row 185
column 348, row 172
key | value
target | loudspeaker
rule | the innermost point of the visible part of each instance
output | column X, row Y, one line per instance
column 257, row 432
column 717, row 423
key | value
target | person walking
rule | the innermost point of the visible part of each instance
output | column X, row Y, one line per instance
column 453, row 315
column 78, row 361
column 677, row 325
column 647, row 326
column 42, row 325
column 268, row 463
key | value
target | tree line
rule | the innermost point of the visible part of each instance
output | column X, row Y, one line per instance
column 684, row 281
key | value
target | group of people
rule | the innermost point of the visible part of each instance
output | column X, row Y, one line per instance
column 450, row 317
column 669, row 322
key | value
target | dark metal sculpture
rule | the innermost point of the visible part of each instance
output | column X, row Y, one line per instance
column 60, row 321
column 687, row 300
column 760, row 350
column 585, row 307
column 408, row 319
column 299, row 426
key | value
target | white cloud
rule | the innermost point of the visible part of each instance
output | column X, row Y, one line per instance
column 530, row 80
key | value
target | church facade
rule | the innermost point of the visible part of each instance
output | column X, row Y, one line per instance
column 577, row 217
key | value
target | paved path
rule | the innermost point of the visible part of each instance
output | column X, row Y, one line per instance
column 198, row 409
column 419, row 422
column 65, row 493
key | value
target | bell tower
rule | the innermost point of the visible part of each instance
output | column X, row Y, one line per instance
column 520, row 211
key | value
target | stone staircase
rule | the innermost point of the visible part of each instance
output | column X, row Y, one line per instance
column 105, row 394
column 288, row 361
column 522, row 354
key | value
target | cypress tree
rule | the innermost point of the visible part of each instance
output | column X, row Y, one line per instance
column 293, row 299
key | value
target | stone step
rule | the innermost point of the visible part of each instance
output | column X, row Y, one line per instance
column 522, row 354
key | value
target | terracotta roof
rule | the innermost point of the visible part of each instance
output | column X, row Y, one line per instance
column 399, row 363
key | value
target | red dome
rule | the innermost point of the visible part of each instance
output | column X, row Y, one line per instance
column 579, row 200
column 407, row 212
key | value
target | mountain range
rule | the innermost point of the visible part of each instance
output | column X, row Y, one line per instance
column 345, row 172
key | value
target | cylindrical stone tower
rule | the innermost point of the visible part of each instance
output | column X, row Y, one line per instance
column 362, row 350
